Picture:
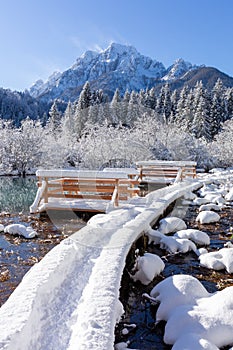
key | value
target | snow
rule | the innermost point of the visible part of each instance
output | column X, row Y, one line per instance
column 197, row 236
column 111, row 62
column 175, row 291
column 171, row 224
column 93, row 174
column 194, row 342
column 154, row 236
column 123, row 346
column 218, row 260
column 177, row 245
column 206, row 217
column 210, row 206
column 21, row 230
column 200, row 201
column 147, row 267
column 1, row 227
column 229, row 195
column 75, row 287
column 194, row 317
column 39, row 195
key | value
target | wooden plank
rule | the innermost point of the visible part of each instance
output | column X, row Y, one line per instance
column 83, row 196
column 107, row 189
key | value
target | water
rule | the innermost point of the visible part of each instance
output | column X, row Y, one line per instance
column 148, row 335
column 17, row 193
column 17, row 254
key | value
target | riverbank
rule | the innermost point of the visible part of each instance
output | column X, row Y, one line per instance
column 18, row 254
column 146, row 334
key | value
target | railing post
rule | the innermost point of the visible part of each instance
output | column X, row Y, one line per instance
column 116, row 201
column 46, row 191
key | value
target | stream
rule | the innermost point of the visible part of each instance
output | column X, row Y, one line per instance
column 146, row 335
column 17, row 254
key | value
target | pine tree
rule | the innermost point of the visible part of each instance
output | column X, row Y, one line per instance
column 133, row 109
column 124, row 108
column 213, row 120
column 82, row 109
column 54, row 117
column 174, row 101
column 229, row 103
column 68, row 121
column 180, row 113
column 218, row 94
column 115, row 108
column 164, row 105
column 200, row 112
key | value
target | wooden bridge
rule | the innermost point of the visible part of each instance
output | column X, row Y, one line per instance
column 95, row 191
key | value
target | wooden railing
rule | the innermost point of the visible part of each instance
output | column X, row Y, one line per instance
column 76, row 187
column 166, row 170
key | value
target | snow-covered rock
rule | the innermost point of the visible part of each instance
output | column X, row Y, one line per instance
column 177, row 245
column 1, row 227
column 229, row 196
column 201, row 251
column 171, row 224
column 195, row 318
column 207, row 217
column 197, row 236
column 154, row 236
column 122, row 346
column 211, row 197
column 147, row 268
column 200, row 201
column 174, row 291
column 219, row 260
column 190, row 196
column 210, row 206
column 193, row 341
column 21, row 230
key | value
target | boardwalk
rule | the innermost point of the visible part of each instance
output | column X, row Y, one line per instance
column 99, row 191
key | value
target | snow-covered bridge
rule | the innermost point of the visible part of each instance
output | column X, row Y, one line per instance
column 96, row 191
column 70, row 299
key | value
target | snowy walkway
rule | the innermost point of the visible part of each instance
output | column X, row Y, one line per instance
column 70, row 299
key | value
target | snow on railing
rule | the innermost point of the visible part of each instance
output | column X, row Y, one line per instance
column 39, row 195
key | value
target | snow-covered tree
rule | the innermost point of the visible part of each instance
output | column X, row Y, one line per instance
column 221, row 148
column 200, row 111
column 218, row 108
column 134, row 109
column 81, row 109
column 164, row 105
column 54, row 117
column 22, row 151
column 115, row 108
column 180, row 114
column 229, row 103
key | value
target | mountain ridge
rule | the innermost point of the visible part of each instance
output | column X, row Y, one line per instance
column 118, row 66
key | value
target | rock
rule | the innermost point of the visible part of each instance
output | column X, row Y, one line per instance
column 207, row 217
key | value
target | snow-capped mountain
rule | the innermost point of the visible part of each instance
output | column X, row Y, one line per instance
column 119, row 66
column 179, row 68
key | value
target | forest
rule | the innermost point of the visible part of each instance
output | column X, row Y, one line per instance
column 187, row 124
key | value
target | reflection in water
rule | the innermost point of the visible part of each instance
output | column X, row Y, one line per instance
column 17, row 193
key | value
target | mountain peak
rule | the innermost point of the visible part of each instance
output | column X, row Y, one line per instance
column 177, row 69
column 120, row 48
column 118, row 66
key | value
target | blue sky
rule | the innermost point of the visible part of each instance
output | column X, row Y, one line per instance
column 39, row 37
